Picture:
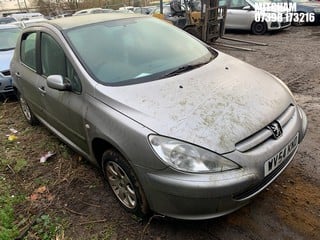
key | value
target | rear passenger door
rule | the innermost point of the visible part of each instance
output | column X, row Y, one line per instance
column 26, row 73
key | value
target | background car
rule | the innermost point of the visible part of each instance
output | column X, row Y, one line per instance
column 8, row 39
column 241, row 16
column 143, row 10
column 307, row 7
column 92, row 11
column 176, row 16
column 25, row 23
column 180, row 129
column 6, row 20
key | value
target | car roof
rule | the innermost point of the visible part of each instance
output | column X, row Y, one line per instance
column 81, row 20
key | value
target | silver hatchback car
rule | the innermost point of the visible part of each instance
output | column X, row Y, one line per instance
column 176, row 126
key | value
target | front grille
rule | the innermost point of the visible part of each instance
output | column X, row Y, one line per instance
column 6, row 73
column 8, row 88
column 284, row 24
column 264, row 134
column 265, row 182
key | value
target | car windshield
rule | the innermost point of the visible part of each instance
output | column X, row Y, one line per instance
column 8, row 38
column 135, row 50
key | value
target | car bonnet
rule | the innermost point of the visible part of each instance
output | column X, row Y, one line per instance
column 5, row 58
column 214, row 106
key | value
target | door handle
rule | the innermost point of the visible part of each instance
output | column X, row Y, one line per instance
column 42, row 90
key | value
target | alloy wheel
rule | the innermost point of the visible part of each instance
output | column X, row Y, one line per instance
column 121, row 185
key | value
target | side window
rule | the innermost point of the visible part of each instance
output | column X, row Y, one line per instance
column 223, row 3
column 28, row 49
column 238, row 4
column 55, row 62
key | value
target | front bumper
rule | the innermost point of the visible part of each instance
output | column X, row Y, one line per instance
column 193, row 196
column 202, row 196
column 272, row 26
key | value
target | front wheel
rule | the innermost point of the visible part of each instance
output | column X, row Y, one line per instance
column 259, row 28
column 123, row 183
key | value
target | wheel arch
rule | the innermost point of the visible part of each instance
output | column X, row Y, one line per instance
column 99, row 146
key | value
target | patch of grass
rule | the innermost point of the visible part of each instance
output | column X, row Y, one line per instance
column 11, row 156
column 41, row 181
column 8, row 229
column 20, row 164
column 15, row 164
column 65, row 151
column 106, row 234
column 46, row 228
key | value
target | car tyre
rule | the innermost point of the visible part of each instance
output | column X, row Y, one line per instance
column 27, row 113
column 259, row 28
column 123, row 183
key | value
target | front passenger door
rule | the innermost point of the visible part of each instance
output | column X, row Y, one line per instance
column 237, row 17
column 64, row 109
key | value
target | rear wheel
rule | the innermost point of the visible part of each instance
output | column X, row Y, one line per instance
column 30, row 117
column 124, row 183
column 259, row 28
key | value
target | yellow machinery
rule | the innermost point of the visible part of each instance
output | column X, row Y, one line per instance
column 204, row 19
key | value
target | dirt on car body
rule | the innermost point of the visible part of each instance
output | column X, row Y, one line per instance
column 69, row 194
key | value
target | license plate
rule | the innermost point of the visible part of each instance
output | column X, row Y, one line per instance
column 277, row 159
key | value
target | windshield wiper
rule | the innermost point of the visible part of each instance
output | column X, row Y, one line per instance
column 184, row 68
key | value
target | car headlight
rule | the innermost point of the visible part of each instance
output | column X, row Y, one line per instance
column 316, row 10
column 187, row 157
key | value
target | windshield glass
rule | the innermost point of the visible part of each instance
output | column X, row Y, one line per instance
column 8, row 38
column 135, row 50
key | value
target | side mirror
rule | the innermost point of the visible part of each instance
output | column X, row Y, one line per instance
column 56, row 82
column 246, row 8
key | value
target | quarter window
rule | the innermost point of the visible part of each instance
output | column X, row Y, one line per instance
column 28, row 50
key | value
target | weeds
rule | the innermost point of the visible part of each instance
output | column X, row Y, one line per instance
column 46, row 228
column 8, row 229
column 34, row 196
